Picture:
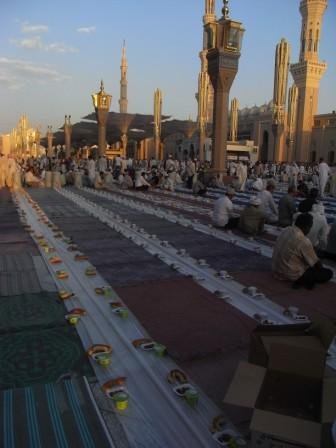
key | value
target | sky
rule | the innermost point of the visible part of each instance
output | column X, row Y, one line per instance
column 53, row 54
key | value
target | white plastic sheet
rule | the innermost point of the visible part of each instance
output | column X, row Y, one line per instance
column 156, row 417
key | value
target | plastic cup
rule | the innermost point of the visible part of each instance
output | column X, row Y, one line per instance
column 192, row 397
column 103, row 360
column 107, row 291
column 74, row 320
column 121, row 401
column 123, row 313
column 160, row 350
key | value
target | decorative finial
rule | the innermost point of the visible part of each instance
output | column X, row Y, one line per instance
column 225, row 9
column 102, row 86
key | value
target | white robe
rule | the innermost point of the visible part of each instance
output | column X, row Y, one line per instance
column 323, row 170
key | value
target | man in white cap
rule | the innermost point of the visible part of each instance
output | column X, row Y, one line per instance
column 223, row 215
column 252, row 218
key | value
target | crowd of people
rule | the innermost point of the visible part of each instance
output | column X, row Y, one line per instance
column 300, row 212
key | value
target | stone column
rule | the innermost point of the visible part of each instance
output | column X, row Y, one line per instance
column 221, row 83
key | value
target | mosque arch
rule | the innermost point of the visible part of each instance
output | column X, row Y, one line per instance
column 331, row 157
column 264, row 147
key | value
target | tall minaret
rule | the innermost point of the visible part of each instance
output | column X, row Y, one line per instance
column 67, row 135
column 157, row 123
column 205, row 92
column 123, row 102
column 307, row 73
column 292, row 121
column 234, row 120
column 282, row 55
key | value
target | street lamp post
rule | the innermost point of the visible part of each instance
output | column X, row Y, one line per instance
column 102, row 103
column 224, row 40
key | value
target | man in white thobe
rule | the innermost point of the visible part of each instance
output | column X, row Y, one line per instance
column 323, row 171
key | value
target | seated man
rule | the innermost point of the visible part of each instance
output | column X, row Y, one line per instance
column 223, row 215
column 252, row 219
column 99, row 181
column 199, row 188
column 306, row 205
column 267, row 203
column 330, row 251
column 31, row 180
column 287, row 208
column 127, row 182
column 294, row 257
column 140, row 182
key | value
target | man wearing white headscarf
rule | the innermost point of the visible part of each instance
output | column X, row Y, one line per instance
column 252, row 218
column 318, row 234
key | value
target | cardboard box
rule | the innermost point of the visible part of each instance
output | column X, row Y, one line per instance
column 315, row 336
column 293, row 404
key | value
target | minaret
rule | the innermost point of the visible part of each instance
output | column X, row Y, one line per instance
column 282, row 56
column 50, row 136
column 157, row 123
column 234, row 120
column 67, row 135
column 293, row 94
column 123, row 102
column 307, row 73
column 204, row 95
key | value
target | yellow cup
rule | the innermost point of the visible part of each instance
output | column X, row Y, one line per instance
column 121, row 401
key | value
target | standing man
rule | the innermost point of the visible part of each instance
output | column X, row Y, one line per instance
column 323, row 171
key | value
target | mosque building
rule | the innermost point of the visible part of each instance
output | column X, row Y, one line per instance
column 305, row 136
